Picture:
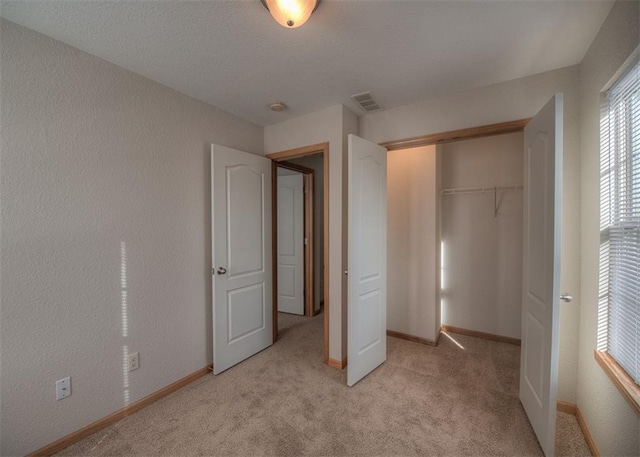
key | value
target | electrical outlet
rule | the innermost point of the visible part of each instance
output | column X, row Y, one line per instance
column 134, row 361
column 63, row 388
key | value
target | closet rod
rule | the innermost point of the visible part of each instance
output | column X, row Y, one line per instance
column 479, row 190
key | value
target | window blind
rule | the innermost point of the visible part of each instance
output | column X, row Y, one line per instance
column 620, row 219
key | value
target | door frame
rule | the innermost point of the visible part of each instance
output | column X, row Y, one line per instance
column 276, row 157
column 457, row 135
column 309, row 285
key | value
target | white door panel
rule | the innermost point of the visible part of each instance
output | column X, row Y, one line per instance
column 367, row 281
column 241, row 255
column 291, row 243
column 541, row 271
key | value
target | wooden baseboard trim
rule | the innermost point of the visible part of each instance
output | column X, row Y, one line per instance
column 339, row 364
column 415, row 339
column 484, row 336
column 587, row 434
column 571, row 408
column 90, row 429
column 566, row 407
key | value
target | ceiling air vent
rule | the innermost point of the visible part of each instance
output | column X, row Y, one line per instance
column 366, row 102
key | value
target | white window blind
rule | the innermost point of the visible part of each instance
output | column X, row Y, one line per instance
column 620, row 221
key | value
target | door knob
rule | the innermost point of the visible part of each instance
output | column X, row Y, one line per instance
column 566, row 298
column 221, row 271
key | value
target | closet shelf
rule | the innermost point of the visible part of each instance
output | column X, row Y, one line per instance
column 479, row 190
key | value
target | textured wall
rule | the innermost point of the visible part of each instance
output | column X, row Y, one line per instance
column 106, row 231
column 483, row 253
column 502, row 102
column 613, row 424
column 412, row 237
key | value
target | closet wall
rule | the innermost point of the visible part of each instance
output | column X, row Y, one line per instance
column 482, row 251
column 412, row 239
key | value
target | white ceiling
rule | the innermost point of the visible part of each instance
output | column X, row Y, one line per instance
column 233, row 55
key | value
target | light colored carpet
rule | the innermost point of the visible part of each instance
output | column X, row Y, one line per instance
column 284, row 401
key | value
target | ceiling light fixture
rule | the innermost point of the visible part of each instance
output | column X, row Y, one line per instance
column 278, row 106
column 291, row 13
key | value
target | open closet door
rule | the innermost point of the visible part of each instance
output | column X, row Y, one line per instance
column 367, row 280
column 241, row 255
column 541, row 271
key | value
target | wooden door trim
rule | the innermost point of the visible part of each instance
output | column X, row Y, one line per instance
column 274, row 250
column 320, row 148
column 299, row 152
column 309, row 270
column 456, row 135
column 295, row 167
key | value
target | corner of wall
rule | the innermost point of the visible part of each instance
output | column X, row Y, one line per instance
column 349, row 126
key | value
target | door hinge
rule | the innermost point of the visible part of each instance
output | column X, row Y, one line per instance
column 305, row 241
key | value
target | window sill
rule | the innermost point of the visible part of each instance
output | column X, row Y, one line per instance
column 629, row 389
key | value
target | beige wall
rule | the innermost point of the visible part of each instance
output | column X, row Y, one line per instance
column 502, row 102
column 614, row 426
column 103, row 174
column 412, row 238
column 482, row 262
column 329, row 125
column 349, row 126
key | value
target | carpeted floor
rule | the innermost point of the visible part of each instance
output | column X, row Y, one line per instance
column 459, row 398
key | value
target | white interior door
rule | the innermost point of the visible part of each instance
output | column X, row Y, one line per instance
column 241, row 255
column 291, row 243
column 367, row 280
column 541, row 271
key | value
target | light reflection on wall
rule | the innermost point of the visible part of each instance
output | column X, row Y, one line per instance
column 124, row 307
column 125, row 373
column 123, row 289
column 443, row 308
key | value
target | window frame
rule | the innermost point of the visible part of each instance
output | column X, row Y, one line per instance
column 616, row 373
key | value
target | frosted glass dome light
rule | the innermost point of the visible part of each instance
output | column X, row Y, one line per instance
column 291, row 13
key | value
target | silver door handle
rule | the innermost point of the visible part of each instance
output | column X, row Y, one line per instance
column 346, row 272
column 566, row 298
column 221, row 271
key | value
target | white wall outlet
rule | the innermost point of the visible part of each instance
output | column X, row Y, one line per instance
column 134, row 361
column 63, row 388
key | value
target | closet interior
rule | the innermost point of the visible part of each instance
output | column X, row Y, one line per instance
column 455, row 221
